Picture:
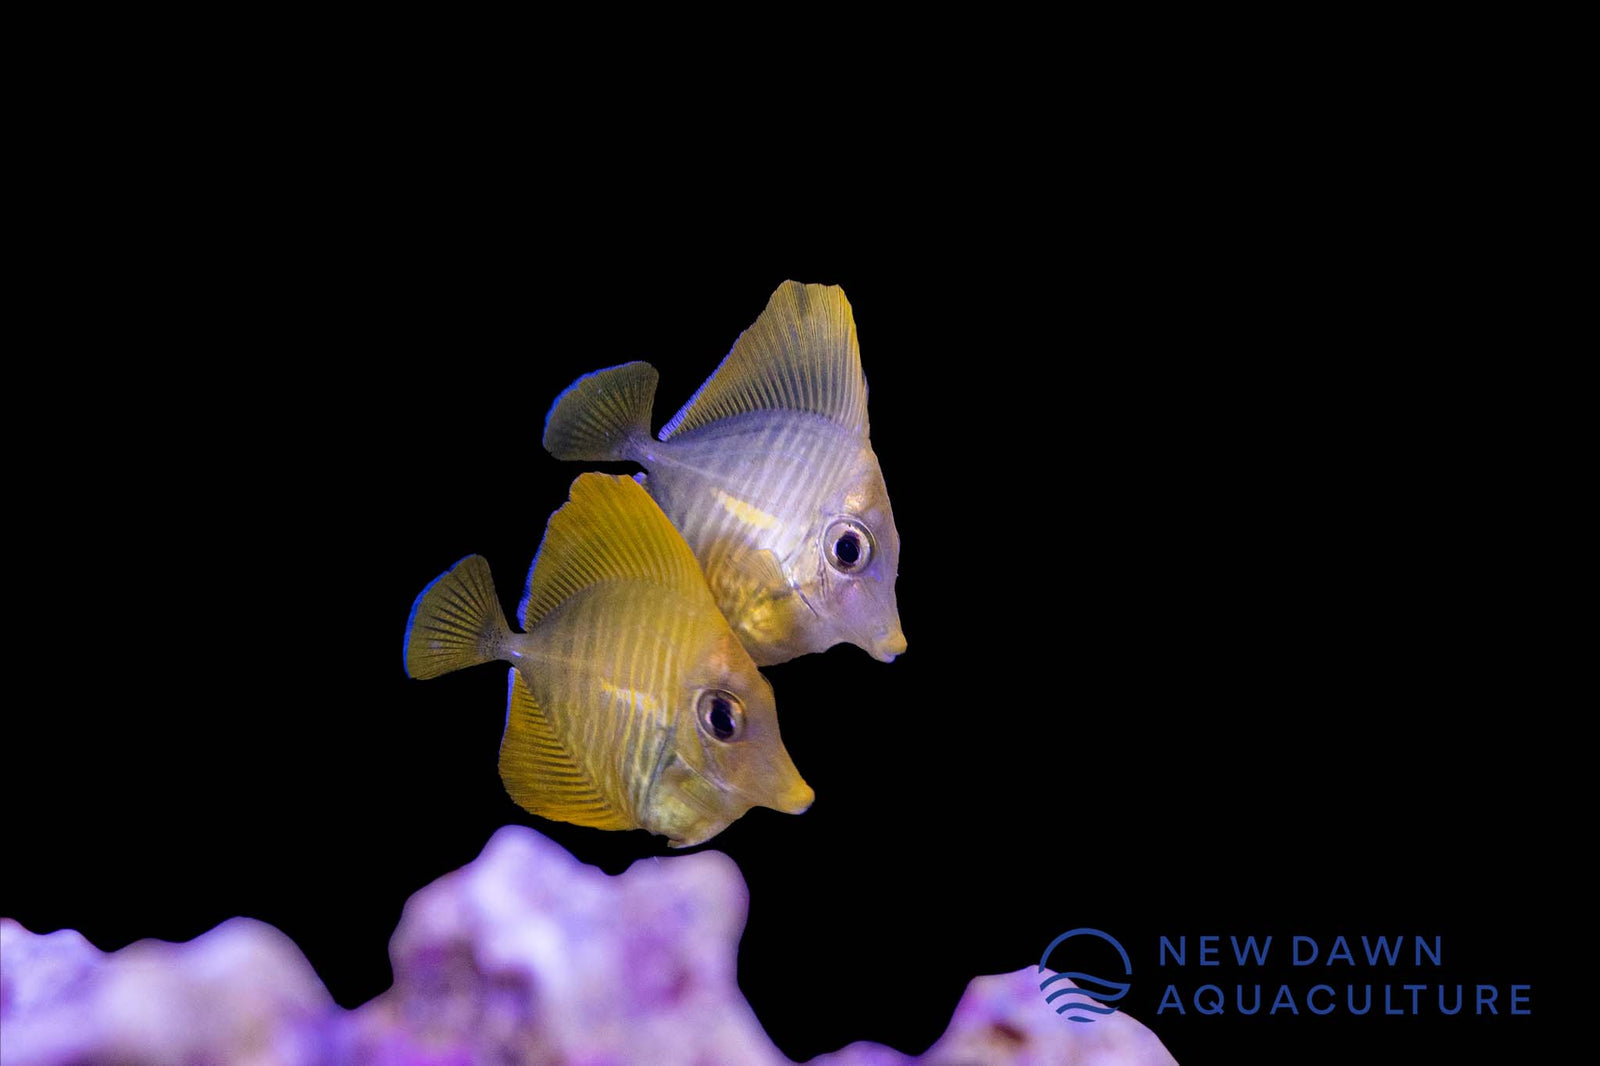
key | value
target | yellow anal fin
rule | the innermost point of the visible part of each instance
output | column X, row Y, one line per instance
column 541, row 775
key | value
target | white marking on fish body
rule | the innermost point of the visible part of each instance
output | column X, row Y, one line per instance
column 745, row 512
column 642, row 701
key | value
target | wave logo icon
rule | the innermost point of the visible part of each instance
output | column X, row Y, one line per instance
column 1084, row 1002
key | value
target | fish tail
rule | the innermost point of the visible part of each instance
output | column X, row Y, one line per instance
column 603, row 415
column 456, row 622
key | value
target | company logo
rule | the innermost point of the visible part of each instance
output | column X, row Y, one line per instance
column 1083, row 1003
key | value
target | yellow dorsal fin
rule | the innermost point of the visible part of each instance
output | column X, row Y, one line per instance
column 539, row 771
column 800, row 355
column 609, row 529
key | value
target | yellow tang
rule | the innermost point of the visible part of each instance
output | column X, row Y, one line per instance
column 768, row 473
column 631, row 703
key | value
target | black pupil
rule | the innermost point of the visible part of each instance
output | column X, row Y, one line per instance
column 848, row 549
column 721, row 718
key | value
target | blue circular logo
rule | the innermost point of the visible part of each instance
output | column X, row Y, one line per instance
column 1087, row 1000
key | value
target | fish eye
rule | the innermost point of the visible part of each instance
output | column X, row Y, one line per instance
column 721, row 714
column 848, row 546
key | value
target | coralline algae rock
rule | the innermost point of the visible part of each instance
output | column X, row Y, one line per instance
column 1004, row 1019
column 240, row 994
column 524, row 955
column 528, row 956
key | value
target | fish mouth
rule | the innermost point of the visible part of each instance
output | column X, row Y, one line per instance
column 796, row 799
column 888, row 645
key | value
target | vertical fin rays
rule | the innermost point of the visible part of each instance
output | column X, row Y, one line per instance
column 540, row 772
column 801, row 354
column 603, row 415
column 456, row 621
column 609, row 529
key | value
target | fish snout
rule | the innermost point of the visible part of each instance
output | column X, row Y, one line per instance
column 889, row 643
column 796, row 799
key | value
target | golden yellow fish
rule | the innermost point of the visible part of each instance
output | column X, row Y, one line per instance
column 768, row 474
column 631, row 703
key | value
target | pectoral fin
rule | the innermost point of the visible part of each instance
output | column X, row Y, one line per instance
column 539, row 771
column 739, row 571
column 754, row 594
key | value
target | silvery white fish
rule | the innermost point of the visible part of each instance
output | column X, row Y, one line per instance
column 768, row 474
column 631, row 703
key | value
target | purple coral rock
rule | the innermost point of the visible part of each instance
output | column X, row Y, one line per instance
column 524, row 955
column 1003, row 1019
column 527, row 955
column 241, row 993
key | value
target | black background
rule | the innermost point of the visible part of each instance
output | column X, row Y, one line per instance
column 1220, row 549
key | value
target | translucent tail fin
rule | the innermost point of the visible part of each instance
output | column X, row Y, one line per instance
column 603, row 415
column 456, row 622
